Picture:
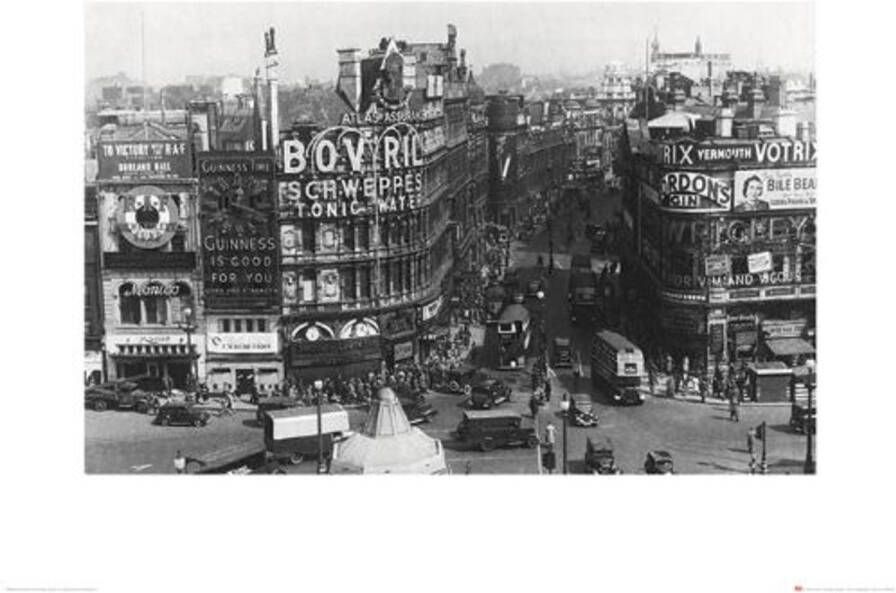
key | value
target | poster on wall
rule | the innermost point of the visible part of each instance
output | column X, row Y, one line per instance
column 143, row 159
column 239, row 232
column 694, row 192
column 328, row 283
column 757, row 263
column 774, row 189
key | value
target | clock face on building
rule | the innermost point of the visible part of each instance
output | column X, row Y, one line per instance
column 147, row 216
column 239, row 204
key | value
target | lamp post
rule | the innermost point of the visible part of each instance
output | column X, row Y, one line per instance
column 542, row 339
column 188, row 325
column 318, row 388
column 809, row 466
column 564, row 405
column 550, row 245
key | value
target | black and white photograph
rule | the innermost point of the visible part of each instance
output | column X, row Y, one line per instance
column 425, row 296
column 411, row 256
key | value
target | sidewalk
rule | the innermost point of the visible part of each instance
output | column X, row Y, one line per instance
column 693, row 395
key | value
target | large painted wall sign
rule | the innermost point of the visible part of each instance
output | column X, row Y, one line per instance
column 147, row 216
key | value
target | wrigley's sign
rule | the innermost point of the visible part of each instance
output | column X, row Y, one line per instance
column 759, row 152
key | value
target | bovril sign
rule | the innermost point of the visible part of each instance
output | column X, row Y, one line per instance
column 233, row 343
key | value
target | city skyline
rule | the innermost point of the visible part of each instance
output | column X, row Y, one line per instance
column 308, row 35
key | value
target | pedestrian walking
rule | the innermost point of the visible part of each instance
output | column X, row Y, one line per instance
column 734, row 409
column 180, row 462
column 670, row 387
column 533, row 406
column 704, row 389
column 547, row 390
column 550, row 435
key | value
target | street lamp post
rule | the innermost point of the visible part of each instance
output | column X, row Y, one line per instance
column 318, row 388
column 188, row 326
column 809, row 466
column 564, row 406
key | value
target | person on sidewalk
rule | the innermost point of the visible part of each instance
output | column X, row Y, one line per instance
column 534, row 405
column 576, row 372
column 180, row 462
column 704, row 389
column 733, row 408
column 547, row 390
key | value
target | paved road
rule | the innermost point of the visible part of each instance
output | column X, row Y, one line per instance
column 699, row 436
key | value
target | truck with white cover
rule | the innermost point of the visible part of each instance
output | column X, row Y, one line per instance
column 292, row 434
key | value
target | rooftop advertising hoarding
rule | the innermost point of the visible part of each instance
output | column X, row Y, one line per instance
column 125, row 160
column 774, row 189
column 771, row 153
column 345, row 172
column 239, row 232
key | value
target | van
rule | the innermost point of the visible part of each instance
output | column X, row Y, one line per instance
column 487, row 429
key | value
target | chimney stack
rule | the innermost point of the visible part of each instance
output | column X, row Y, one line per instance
column 724, row 122
column 785, row 123
column 349, row 82
column 756, row 102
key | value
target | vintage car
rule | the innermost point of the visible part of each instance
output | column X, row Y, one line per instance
column 562, row 353
column 122, row 394
column 488, row 393
column 600, row 460
column 455, row 381
column 487, row 429
column 181, row 413
column 417, row 410
column 581, row 411
column 534, row 286
column 270, row 404
column 801, row 420
column 658, row 462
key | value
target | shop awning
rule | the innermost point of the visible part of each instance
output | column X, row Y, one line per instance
column 789, row 347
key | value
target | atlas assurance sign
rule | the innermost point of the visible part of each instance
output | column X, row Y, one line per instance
column 242, row 343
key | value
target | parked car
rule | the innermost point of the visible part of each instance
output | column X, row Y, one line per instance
column 801, row 420
column 181, row 413
column 600, row 460
column 658, row 462
column 534, row 286
column 489, row 429
column 270, row 404
column 122, row 394
column 488, row 394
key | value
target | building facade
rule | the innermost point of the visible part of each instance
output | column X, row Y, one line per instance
column 365, row 212
column 719, row 214
column 146, row 202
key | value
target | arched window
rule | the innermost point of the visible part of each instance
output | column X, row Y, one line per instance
column 129, row 303
column 156, row 304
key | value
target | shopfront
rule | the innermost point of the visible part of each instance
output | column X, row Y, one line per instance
column 243, row 362
column 328, row 349
column 166, row 356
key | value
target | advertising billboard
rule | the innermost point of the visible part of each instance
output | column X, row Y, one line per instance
column 694, row 192
column 346, row 172
column 774, row 189
column 759, row 152
column 239, row 232
column 143, row 159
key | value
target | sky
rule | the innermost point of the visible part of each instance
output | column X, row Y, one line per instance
column 185, row 38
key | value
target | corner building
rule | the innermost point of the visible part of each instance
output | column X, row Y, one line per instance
column 367, row 243
column 719, row 219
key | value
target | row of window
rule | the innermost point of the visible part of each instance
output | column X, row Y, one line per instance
column 242, row 325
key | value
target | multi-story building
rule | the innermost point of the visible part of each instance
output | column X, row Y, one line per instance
column 719, row 215
column 697, row 66
column 530, row 152
column 93, row 285
column 148, row 238
column 615, row 95
column 366, row 241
